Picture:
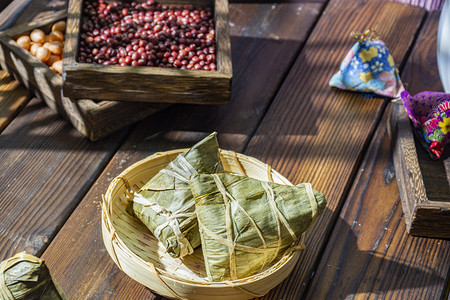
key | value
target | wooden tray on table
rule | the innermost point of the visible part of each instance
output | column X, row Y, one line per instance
column 94, row 119
column 423, row 183
column 150, row 84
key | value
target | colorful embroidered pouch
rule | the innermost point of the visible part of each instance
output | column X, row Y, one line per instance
column 369, row 67
column 430, row 114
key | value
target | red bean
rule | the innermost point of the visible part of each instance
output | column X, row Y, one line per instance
column 148, row 34
column 134, row 56
column 157, row 28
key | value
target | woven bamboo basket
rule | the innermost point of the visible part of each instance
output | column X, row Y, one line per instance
column 139, row 254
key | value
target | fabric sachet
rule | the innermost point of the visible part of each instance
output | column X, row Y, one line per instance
column 246, row 223
column 25, row 276
column 165, row 204
column 369, row 67
column 430, row 114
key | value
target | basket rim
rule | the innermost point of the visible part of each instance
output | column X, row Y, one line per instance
column 107, row 225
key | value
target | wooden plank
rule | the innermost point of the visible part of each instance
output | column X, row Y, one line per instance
column 316, row 134
column 24, row 11
column 47, row 167
column 181, row 126
column 421, row 71
column 13, row 12
column 369, row 254
column 13, row 98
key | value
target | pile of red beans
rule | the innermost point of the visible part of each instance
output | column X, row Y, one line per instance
column 147, row 34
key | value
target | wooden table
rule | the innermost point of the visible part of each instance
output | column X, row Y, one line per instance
column 283, row 113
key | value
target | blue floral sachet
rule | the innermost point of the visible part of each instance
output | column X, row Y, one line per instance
column 430, row 114
column 369, row 67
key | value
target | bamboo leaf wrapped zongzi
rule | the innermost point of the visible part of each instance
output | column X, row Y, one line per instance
column 246, row 223
column 25, row 276
column 165, row 204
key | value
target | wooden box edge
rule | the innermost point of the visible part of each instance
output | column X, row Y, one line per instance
column 76, row 76
column 422, row 216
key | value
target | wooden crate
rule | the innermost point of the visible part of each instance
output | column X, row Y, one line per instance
column 423, row 183
column 150, row 84
column 94, row 119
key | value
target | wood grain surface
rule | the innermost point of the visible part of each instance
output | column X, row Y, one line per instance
column 13, row 98
column 369, row 254
column 410, row 180
column 182, row 126
column 316, row 134
column 42, row 158
column 421, row 71
column 47, row 167
column 3, row 4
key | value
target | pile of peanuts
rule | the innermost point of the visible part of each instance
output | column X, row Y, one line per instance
column 47, row 48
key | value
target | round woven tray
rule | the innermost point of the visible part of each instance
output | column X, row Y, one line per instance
column 139, row 254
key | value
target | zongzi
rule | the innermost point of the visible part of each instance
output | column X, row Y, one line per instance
column 165, row 204
column 246, row 223
column 25, row 276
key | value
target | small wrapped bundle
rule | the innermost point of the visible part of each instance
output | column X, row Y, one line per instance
column 25, row 276
column 165, row 204
column 430, row 114
column 369, row 67
column 246, row 223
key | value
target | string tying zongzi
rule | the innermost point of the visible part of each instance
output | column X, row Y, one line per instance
column 245, row 223
column 166, row 205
